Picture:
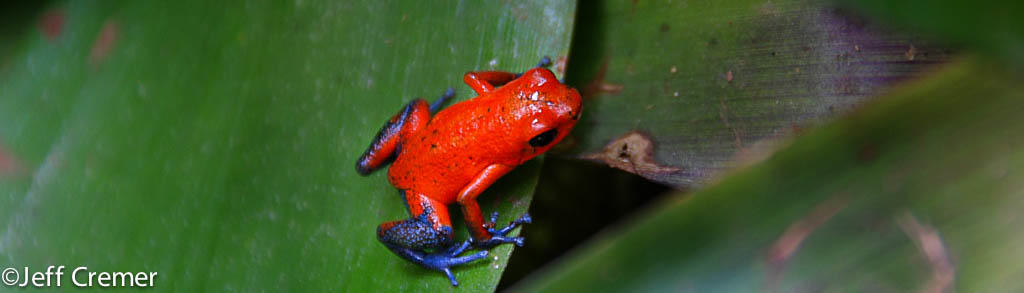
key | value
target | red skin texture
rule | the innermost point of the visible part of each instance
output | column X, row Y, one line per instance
column 455, row 155
column 493, row 128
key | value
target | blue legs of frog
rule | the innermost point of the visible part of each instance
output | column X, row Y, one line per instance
column 411, row 238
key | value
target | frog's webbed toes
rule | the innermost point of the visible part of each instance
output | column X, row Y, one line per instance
column 518, row 241
column 499, row 236
column 455, row 250
column 443, row 261
column 524, row 219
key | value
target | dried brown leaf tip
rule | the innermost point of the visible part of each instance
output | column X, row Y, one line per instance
column 633, row 152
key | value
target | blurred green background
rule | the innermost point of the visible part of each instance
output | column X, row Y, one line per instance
column 742, row 145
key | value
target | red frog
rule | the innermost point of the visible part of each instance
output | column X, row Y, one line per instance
column 454, row 155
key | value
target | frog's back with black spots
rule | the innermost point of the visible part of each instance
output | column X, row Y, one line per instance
column 493, row 128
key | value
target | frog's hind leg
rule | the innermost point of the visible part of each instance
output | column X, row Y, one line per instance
column 429, row 229
column 414, row 116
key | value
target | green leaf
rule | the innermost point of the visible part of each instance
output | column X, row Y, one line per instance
column 215, row 142
column 714, row 84
column 920, row 190
column 993, row 27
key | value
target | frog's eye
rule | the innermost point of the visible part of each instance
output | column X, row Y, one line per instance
column 543, row 139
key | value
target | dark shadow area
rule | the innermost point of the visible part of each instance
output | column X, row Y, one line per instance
column 574, row 201
column 586, row 59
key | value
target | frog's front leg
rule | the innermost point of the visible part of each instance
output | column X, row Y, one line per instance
column 485, row 81
column 484, row 234
column 429, row 229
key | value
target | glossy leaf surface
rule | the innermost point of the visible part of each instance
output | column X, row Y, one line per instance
column 215, row 142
